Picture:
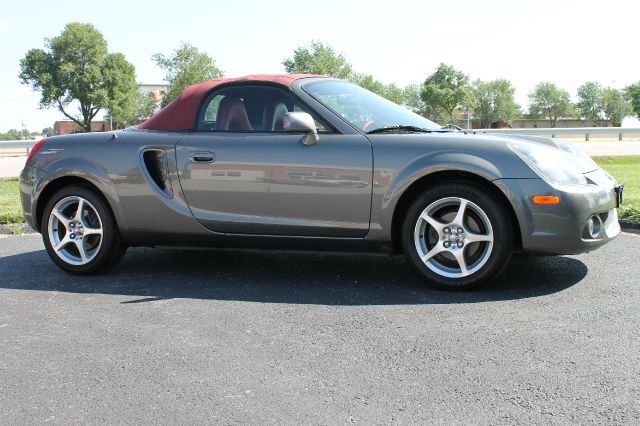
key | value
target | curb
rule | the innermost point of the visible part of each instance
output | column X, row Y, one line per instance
column 630, row 226
column 13, row 228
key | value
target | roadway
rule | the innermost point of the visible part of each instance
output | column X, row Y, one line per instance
column 252, row 337
column 10, row 167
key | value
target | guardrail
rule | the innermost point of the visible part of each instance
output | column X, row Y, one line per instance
column 26, row 145
column 553, row 131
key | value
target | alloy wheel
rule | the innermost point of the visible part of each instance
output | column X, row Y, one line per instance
column 75, row 230
column 453, row 237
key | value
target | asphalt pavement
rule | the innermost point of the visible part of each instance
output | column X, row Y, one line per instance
column 178, row 336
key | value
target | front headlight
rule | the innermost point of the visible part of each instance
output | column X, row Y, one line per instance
column 574, row 150
column 549, row 163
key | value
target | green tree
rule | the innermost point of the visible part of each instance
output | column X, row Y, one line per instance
column 394, row 93
column 120, row 77
column 413, row 100
column 11, row 135
column 389, row 91
column 76, row 66
column 446, row 89
column 367, row 81
column 48, row 131
column 590, row 103
column 614, row 105
column 184, row 67
column 549, row 101
column 318, row 58
column 493, row 101
column 633, row 95
column 145, row 107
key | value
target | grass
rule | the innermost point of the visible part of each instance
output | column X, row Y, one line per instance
column 10, row 208
column 627, row 171
column 624, row 169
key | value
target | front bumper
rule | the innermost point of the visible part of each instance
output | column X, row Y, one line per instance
column 564, row 228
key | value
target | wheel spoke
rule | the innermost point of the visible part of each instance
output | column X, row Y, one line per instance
column 470, row 237
column 92, row 231
column 62, row 244
column 78, row 216
column 61, row 217
column 462, row 262
column 431, row 221
column 438, row 248
column 81, row 249
column 458, row 220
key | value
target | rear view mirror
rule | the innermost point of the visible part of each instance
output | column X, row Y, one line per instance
column 301, row 122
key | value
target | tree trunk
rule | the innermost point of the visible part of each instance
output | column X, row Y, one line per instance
column 70, row 117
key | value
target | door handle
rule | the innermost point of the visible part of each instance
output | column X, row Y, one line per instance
column 202, row 157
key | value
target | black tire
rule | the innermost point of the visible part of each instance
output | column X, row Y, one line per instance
column 107, row 254
column 492, row 258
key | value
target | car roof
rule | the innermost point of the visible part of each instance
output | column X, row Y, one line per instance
column 180, row 114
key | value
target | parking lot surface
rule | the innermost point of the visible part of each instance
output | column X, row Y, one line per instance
column 179, row 336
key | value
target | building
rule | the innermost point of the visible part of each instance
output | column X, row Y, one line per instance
column 154, row 91
column 67, row 126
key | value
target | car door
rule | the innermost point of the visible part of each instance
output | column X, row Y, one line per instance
column 241, row 173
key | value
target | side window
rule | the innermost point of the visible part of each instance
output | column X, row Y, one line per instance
column 249, row 108
column 211, row 112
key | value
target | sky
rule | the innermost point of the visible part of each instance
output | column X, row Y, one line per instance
column 564, row 41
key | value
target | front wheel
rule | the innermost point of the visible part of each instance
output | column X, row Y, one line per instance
column 80, row 233
column 457, row 236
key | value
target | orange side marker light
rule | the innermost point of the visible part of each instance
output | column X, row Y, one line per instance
column 546, row 199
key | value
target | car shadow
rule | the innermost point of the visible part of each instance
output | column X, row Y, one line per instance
column 282, row 277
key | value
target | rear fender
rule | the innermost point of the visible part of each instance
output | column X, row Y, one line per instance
column 78, row 168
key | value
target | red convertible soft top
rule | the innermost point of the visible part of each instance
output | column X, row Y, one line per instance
column 180, row 114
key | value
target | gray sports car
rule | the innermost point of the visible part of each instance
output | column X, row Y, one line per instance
column 311, row 162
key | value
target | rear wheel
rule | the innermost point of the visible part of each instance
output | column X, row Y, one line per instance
column 457, row 236
column 80, row 233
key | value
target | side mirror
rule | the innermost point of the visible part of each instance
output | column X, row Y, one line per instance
column 301, row 122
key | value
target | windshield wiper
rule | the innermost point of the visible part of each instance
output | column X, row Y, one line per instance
column 391, row 129
column 452, row 128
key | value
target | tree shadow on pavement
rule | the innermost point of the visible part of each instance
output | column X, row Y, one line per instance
column 282, row 277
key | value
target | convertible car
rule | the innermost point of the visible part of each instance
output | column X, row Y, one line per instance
column 312, row 162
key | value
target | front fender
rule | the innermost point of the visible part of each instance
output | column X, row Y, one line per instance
column 433, row 163
column 393, row 184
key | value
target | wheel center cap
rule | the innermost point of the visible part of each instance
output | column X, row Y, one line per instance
column 76, row 229
column 453, row 237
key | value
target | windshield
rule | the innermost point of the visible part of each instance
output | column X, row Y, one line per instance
column 363, row 109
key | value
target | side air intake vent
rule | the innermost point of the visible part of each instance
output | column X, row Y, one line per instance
column 155, row 161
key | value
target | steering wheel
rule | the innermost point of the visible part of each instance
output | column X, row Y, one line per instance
column 366, row 126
